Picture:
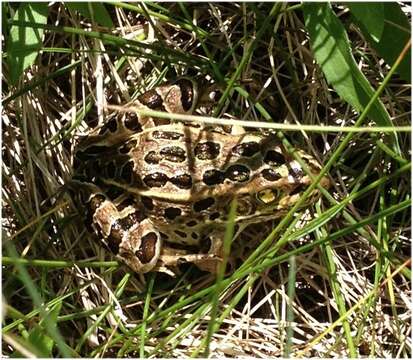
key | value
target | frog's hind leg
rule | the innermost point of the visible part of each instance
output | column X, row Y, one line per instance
column 122, row 227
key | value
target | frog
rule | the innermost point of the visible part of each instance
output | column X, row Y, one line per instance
column 157, row 192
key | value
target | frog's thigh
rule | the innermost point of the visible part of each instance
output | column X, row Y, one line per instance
column 127, row 233
column 140, row 247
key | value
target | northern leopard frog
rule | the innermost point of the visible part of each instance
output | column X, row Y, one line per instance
column 159, row 193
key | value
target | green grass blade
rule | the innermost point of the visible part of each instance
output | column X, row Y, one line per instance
column 229, row 232
column 292, row 271
column 92, row 10
column 49, row 324
column 249, row 49
column 328, row 253
column 145, row 316
column 40, row 81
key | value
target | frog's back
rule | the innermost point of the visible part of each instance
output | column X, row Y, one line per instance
column 181, row 163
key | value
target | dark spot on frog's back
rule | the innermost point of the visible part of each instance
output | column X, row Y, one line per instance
column 160, row 121
column 152, row 100
column 173, row 153
column 167, row 135
column 187, row 91
column 152, row 157
column 203, row 204
column 111, row 125
column 126, row 173
column 215, row 215
column 298, row 189
column 132, row 122
column 180, row 234
column 131, row 219
column 147, row 202
column 238, row 173
column 146, row 251
column 124, row 149
column 125, row 203
column 246, row 149
column 208, row 150
column 183, row 181
column 274, row 158
column 156, row 179
column 213, row 177
column 296, row 172
column 115, row 237
column 171, row 213
column 270, row 175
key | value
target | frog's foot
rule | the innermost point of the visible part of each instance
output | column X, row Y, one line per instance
column 171, row 258
column 217, row 248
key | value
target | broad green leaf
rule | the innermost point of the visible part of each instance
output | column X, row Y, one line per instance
column 24, row 42
column 331, row 49
column 25, row 346
column 39, row 335
column 100, row 14
column 371, row 15
column 396, row 33
column 41, row 341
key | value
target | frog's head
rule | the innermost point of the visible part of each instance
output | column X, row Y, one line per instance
column 285, row 181
column 277, row 183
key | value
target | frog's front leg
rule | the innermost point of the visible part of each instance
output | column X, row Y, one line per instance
column 216, row 249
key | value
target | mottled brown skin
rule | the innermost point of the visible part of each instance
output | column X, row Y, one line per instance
column 174, row 183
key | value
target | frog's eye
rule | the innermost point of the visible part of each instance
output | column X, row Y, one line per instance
column 267, row 196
